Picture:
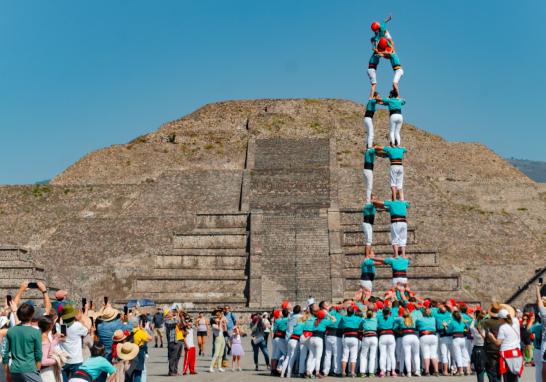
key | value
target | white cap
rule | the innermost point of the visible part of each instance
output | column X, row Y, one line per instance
column 310, row 301
column 503, row 313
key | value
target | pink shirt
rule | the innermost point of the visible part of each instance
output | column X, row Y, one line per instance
column 47, row 348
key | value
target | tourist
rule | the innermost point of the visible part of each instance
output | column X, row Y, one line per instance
column 141, row 339
column 189, row 349
column 77, row 326
column 536, row 335
column 50, row 371
column 218, row 329
column 508, row 339
column 258, row 327
column 107, row 323
column 174, row 347
column 203, row 331
column 492, row 325
column 541, row 302
column 478, row 357
column 121, row 359
column 91, row 369
column 23, row 345
column 237, row 351
column 157, row 324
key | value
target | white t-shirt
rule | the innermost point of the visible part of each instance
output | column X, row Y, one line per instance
column 188, row 339
column 542, row 313
column 73, row 342
column 510, row 336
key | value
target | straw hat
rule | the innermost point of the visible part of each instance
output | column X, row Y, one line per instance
column 127, row 351
column 109, row 313
column 119, row 335
column 508, row 308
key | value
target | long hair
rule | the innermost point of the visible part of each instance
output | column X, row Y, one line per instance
column 457, row 316
column 386, row 312
column 408, row 321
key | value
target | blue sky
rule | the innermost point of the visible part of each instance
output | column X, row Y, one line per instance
column 80, row 75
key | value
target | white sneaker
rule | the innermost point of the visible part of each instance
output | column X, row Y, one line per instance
column 211, row 370
column 221, row 370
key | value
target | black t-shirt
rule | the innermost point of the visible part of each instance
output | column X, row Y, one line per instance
column 492, row 325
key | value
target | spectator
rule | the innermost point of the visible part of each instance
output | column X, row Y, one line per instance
column 492, row 325
column 77, row 327
column 541, row 302
column 91, row 369
column 108, row 322
column 24, row 347
column 258, row 338
column 141, row 339
column 174, row 347
column 157, row 322
column 509, row 341
column 50, row 371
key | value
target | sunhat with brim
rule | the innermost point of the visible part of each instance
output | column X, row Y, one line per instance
column 108, row 314
column 119, row 335
column 68, row 312
column 511, row 311
column 127, row 351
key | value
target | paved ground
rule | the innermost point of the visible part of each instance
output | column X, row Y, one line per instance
column 157, row 370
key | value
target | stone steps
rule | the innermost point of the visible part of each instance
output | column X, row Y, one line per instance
column 200, row 261
column 191, row 284
column 198, row 273
column 208, row 240
column 381, row 236
column 219, row 221
column 22, row 271
column 418, row 258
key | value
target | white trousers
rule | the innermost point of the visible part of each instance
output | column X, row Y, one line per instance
column 399, row 353
column 429, row 346
column 368, row 354
column 366, row 284
column 397, row 176
column 387, row 346
column 368, row 176
column 292, row 352
column 368, row 122
column 372, row 75
column 304, row 353
column 279, row 348
column 445, row 349
column 469, row 347
column 396, row 121
column 410, row 343
column 537, row 357
column 399, row 233
column 332, row 349
column 459, row 352
column 367, row 228
column 315, row 354
column 398, row 73
column 350, row 349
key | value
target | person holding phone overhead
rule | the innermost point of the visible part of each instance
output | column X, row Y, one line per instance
column 77, row 326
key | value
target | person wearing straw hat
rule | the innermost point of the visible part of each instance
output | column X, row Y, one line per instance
column 77, row 327
column 125, row 353
column 492, row 325
column 108, row 322
column 508, row 339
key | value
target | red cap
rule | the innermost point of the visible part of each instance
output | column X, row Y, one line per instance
column 470, row 311
column 411, row 307
column 383, row 43
column 277, row 314
column 284, row 304
column 321, row 314
column 379, row 305
column 452, row 302
column 426, row 303
column 375, row 26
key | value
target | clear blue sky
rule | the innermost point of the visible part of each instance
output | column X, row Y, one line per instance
column 80, row 75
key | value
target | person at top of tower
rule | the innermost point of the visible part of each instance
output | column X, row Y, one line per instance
column 383, row 46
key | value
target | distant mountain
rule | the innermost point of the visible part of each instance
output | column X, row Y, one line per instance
column 535, row 170
column 43, row 181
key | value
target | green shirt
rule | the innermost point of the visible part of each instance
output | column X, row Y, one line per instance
column 398, row 263
column 426, row 324
column 441, row 318
column 369, row 210
column 368, row 266
column 369, row 156
column 280, row 324
column 24, row 345
column 397, row 207
column 536, row 329
column 369, row 324
column 395, row 152
column 371, row 106
column 350, row 323
column 456, row 327
column 95, row 366
column 394, row 103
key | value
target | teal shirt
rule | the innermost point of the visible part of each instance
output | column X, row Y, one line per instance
column 369, row 324
column 280, row 325
column 95, row 366
column 369, row 210
column 322, row 325
column 398, row 263
column 426, row 323
column 309, row 324
column 394, row 103
column 536, row 329
column 466, row 319
column 351, row 323
column 397, row 207
column 416, row 314
column 368, row 266
column 24, row 346
column 335, row 313
column 298, row 328
column 456, row 327
column 384, row 323
column 380, row 33
column 400, row 324
column 369, row 156
column 442, row 317
column 371, row 105
column 395, row 152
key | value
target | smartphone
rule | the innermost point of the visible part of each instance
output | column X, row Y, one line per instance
column 125, row 309
column 63, row 330
column 105, row 300
column 84, row 302
column 9, row 299
column 32, row 285
column 540, row 280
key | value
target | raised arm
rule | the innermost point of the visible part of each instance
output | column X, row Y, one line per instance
column 22, row 288
column 47, row 301
column 540, row 303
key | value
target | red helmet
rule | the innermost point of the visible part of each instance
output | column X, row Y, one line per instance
column 321, row 314
column 383, row 43
column 277, row 314
column 375, row 26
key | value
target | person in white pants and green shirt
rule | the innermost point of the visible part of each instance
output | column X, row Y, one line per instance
column 398, row 210
column 394, row 103
column 371, row 107
column 396, row 157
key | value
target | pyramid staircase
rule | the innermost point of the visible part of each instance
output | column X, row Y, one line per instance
column 16, row 267
column 425, row 276
column 205, row 267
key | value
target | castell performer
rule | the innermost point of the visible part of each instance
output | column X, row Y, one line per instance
column 394, row 103
column 371, row 107
column 367, row 275
column 399, row 226
column 396, row 157
column 368, row 213
column 383, row 46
